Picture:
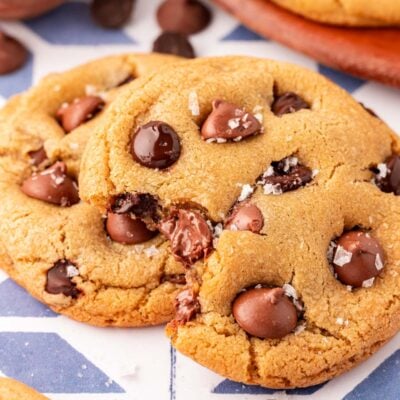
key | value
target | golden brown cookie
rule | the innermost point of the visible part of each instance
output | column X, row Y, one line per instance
column 285, row 186
column 56, row 246
column 347, row 12
column 14, row 390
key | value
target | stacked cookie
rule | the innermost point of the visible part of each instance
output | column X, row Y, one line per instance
column 255, row 196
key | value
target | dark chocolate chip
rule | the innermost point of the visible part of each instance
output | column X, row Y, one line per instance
column 110, row 13
column 13, row 54
column 59, row 279
column 142, row 205
column 155, row 145
column 189, row 234
column 79, row 111
column 265, row 313
column 388, row 175
column 52, row 185
column 245, row 217
column 287, row 103
column 128, row 229
column 177, row 279
column 38, row 156
column 285, row 175
column 187, row 306
column 183, row 16
column 357, row 259
column 229, row 121
column 174, row 43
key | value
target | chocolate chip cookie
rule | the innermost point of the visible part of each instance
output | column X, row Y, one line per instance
column 347, row 12
column 277, row 192
column 14, row 390
column 101, row 269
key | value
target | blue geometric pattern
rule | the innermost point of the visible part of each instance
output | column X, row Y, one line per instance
column 72, row 24
column 16, row 302
column 49, row 361
column 61, row 368
column 381, row 384
column 348, row 82
column 241, row 33
column 17, row 81
column 230, row 387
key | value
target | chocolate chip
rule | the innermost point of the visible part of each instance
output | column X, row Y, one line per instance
column 142, row 205
column 388, row 175
column 127, row 229
column 155, row 145
column 13, row 54
column 38, row 156
column 187, row 306
column 189, row 234
column 265, row 313
column 183, row 16
column 287, row 103
column 228, row 121
column 110, row 13
column 285, row 175
column 245, row 217
column 52, row 185
column 59, row 279
column 177, row 279
column 81, row 110
column 357, row 259
column 174, row 43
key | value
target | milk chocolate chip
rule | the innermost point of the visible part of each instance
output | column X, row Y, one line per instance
column 128, row 229
column 388, row 175
column 13, row 54
column 142, row 205
column 110, row 13
column 357, row 259
column 155, row 145
column 79, row 111
column 174, row 43
column 285, row 175
column 245, row 217
column 187, row 306
column 189, row 234
column 228, row 121
column 183, row 16
column 52, row 185
column 59, row 279
column 265, row 313
column 287, row 103
column 38, row 156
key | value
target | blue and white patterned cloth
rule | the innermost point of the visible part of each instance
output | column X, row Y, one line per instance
column 68, row 360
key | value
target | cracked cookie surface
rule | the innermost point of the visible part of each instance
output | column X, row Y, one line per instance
column 56, row 246
column 279, row 164
column 346, row 12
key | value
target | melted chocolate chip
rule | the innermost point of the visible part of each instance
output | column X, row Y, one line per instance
column 285, row 175
column 245, row 217
column 187, row 306
column 81, row 110
column 13, row 54
column 183, row 16
column 287, row 103
column 127, row 229
column 110, row 13
column 388, row 175
column 229, row 121
column 59, row 279
column 142, row 205
column 189, row 234
column 265, row 313
column 52, row 185
column 155, row 145
column 177, row 279
column 357, row 259
column 38, row 156
column 174, row 43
